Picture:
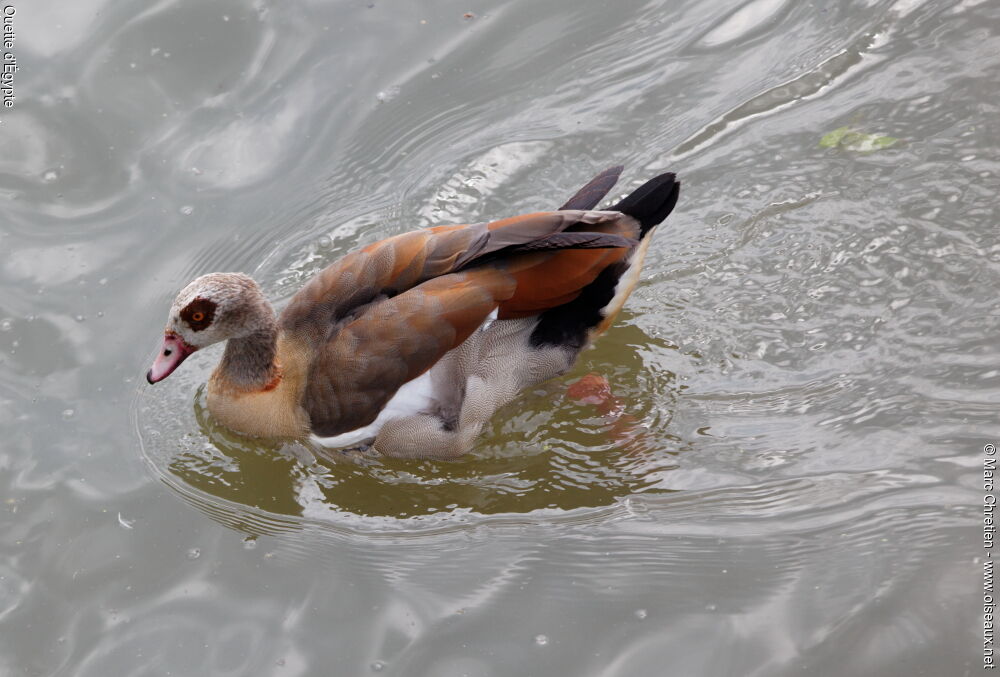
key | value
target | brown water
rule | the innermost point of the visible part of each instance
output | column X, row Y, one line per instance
column 805, row 378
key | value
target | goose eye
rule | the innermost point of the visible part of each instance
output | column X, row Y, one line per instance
column 199, row 313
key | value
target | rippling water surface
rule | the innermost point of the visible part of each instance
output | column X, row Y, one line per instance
column 787, row 477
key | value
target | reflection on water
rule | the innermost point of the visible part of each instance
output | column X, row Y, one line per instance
column 784, row 477
column 547, row 452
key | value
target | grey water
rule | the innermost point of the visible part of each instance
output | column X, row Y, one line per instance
column 788, row 477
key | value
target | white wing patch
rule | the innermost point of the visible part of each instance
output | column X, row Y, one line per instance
column 411, row 398
column 490, row 319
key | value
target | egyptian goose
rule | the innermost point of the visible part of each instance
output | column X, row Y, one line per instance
column 412, row 343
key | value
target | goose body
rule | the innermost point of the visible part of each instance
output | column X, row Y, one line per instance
column 412, row 343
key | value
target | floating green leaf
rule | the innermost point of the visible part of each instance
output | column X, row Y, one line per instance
column 832, row 139
column 849, row 139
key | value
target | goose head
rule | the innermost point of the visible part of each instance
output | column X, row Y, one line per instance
column 212, row 308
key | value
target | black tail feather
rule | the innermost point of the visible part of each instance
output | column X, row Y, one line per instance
column 569, row 325
column 651, row 202
column 590, row 195
column 574, row 240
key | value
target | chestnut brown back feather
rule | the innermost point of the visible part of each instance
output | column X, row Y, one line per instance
column 353, row 376
column 385, row 314
column 398, row 263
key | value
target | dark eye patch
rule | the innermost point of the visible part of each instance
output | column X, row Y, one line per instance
column 199, row 313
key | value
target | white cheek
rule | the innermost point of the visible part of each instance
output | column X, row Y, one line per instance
column 204, row 338
column 198, row 339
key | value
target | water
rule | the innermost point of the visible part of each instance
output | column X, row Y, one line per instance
column 789, row 479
